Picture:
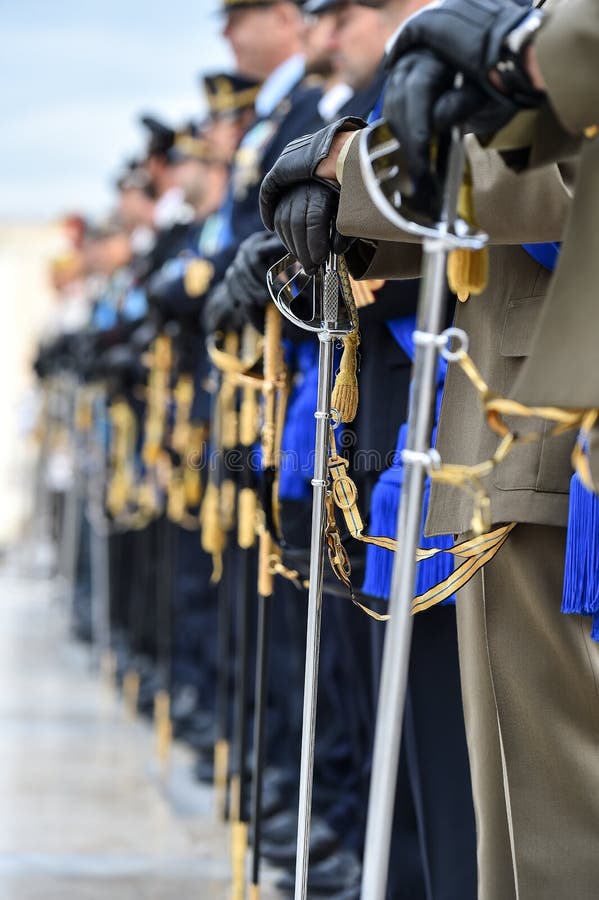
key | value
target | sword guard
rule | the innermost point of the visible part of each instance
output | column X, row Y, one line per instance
column 385, row 173
column 323, row 310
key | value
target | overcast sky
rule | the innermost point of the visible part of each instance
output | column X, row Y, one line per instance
column 74, row 75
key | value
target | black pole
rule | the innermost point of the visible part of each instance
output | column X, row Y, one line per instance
column 221, row 747
column 164, row 591
column 163, row 596
column 261, row 693
column 242, row 677
column 273, row 382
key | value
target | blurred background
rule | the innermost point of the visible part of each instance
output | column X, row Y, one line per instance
column 75, row 78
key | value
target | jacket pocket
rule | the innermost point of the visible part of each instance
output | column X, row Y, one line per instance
column 521, row 317
column 543, row 465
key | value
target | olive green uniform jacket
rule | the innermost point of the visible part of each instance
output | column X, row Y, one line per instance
column 532, row 484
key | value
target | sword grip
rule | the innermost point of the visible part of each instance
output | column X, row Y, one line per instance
column 330, row 293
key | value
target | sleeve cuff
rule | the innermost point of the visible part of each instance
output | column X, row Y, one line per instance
column 343, row 156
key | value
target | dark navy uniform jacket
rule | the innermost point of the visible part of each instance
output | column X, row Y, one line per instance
column 294, row 115
column 261, row 146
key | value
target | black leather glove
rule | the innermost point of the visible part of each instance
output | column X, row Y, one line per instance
column 220, row 312
column 123, row 364
column 297, row 204
column 304, row 221
column 454, row 36
column 145, row 331
column 414, row 86
column 85, row 349
column 298, row 163
column 421, row 100
column 166, row 294
column 469, row 35
column 245, row 278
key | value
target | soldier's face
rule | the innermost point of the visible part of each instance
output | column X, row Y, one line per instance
column 134, row 208
column 358, row 44
column 190, row 175
column 106, row 255
column 253, row 35
column 318, row 31
column 224, row 134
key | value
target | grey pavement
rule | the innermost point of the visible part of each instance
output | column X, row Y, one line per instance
column 85, row 811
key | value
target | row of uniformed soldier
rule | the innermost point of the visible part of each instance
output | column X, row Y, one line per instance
column 196, row 267
column 170, row 366
column 184, row 264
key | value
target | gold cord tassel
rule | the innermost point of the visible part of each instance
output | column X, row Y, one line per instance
column 467, row 270
column 163, row 726
column 213, row 536
column 345, row 391
column 221, row 768
column 192, row 486
column 247, row 508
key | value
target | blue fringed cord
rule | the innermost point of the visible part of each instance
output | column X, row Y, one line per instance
column 383, row 520
column 384, row 509
column 581, row 573
column 379, row 562
column 384, row 504
column 299, row 432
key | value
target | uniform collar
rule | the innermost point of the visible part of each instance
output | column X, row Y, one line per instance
column 279, row 84
column 332, row 100
column 171, row 209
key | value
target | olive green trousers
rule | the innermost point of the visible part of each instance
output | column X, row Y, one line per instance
column 530, row 678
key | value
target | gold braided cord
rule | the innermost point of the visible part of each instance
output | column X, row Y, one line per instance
column 476, row 551
column 227, row 360
column 275, row 391
column 276, row 567
column 484, row 549
column 183, row 397
column 495, row 408
column 480, row 549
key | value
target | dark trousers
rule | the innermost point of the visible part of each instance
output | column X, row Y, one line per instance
column 195, row 610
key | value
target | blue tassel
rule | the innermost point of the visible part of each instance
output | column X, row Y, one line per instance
column 383, row 521
column 384, row 507
column 581, row 575
column 299, row 433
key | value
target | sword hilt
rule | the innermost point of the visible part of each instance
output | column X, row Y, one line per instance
column 328, row 309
